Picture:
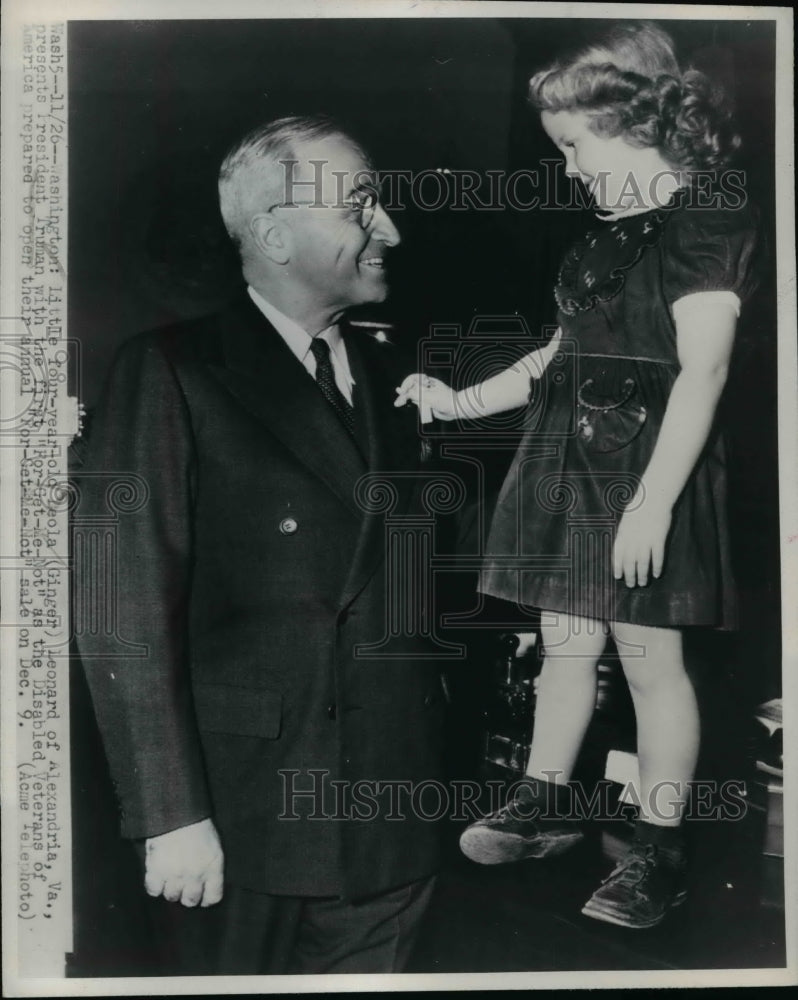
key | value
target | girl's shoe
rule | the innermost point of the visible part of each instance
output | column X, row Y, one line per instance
column 510, row 835
column 641, row 889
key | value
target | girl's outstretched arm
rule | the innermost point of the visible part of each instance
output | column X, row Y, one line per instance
column 704, row 340
column 505, row 391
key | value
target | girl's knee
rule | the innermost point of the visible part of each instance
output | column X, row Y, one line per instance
column 569, row 637
column 650, row 656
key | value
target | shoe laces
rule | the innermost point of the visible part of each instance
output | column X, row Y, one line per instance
column 515, row 810
column 635, row 867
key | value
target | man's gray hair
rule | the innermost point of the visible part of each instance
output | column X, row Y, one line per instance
column 251, row 174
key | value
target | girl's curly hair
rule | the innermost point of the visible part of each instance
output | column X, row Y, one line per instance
column 629, row 82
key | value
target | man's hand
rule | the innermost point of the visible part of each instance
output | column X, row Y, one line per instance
column 186, row 865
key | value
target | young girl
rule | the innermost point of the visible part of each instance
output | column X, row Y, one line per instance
column 611, row 519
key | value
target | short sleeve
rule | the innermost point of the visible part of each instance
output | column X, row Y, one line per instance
column 695, row 302
column 710, row 250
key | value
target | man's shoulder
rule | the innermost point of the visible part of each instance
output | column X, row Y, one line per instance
column 181, row 340
column 189, row 341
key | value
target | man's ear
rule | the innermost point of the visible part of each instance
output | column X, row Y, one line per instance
column 270, row 237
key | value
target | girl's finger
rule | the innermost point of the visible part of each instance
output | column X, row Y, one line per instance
column 642, row 570
column 657, row 560
column 630, row 569
column 408, row 383
column 617, row 560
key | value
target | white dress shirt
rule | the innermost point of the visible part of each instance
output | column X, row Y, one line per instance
column 299, row 340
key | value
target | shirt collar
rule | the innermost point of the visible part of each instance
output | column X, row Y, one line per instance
column 297, row 339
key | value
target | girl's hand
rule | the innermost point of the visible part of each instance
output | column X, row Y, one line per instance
column 538, row 361
column 433, row 397
column 640, row 541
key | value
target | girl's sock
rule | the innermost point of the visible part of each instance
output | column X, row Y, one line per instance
column 669, row 840
column 552, row 800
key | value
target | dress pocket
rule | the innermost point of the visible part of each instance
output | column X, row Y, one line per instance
column 608, row 424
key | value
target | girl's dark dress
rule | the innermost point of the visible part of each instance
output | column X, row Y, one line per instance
column 594, row 418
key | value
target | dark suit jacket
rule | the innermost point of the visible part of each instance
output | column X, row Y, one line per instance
column 250, row 574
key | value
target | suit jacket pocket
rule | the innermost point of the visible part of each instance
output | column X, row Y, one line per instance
column 238, row 711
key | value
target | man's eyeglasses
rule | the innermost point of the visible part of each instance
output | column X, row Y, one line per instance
column 363, row 201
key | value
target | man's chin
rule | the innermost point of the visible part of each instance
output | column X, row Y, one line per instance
column 374, row 288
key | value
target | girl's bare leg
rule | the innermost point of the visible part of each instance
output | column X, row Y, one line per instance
column 566, row 693
column 649, row 880
column 668, row 726
column 524, row 828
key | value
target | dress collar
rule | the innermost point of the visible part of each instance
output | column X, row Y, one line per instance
column 671, row 195
column 594, row 269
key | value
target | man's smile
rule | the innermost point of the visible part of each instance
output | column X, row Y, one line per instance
column 375, row 262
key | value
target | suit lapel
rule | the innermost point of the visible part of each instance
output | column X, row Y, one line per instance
column 259, row 369
column 267, row 379
column 392, row 433
column 392, row 448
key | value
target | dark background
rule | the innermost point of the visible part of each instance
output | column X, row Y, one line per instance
column 155, row 105
column 153, row 108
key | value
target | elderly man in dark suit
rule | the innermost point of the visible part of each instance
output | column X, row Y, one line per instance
column 260, row 752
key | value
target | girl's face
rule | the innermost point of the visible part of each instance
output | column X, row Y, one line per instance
column 617, row 175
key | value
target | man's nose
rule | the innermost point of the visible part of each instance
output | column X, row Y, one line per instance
column 383, row 229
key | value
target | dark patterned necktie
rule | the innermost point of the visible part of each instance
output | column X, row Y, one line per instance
column 325, row 378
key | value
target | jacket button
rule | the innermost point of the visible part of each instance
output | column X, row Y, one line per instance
column 288, row 526
column 332, row 712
